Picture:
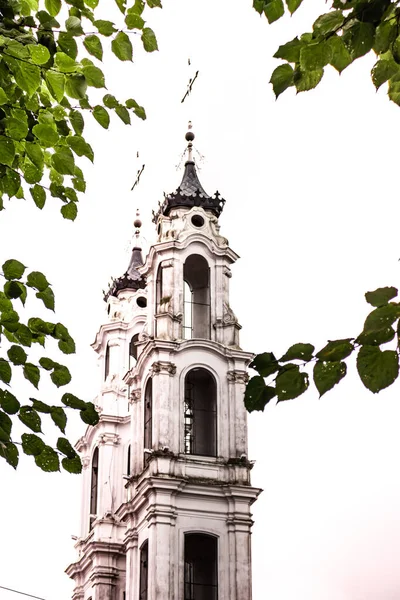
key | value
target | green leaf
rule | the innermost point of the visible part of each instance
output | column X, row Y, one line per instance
column 35, row 153
column 274, row 10
column 5, row 371
column 293, row 5
column 64, row 446
column 39, row 195
column 69, row 211
column 59, row 417
column 9, row 451
column 39, row 326
column 13, row 269
column 60, row 376
column 4, row 99
column 63, row 161
column 29, row 417
column 39, row 54
column 377, row 369
column 101, row 116
column 382, row 71
column 26, row 75
column 307, row 80
column 80, row 146
column 73, row 402
column 68, row 44
column 137, row 8
column 89, row 416
column 257, row 394
column 149, row 39
column 328, row 374
column 76, row 86
column 281, row 79
column 105, row 27
column 77, row 122
column 23, row 335
column 47, row 297
column 134, row 21
column 110, row 101
column 32, row 445
column 53, row 7
column 340, row 56
column 290, row 51
column 299, row 352
column 64, row 63
column 381, row 296
column 47, row 460
column 47, row 363
column 31, row 173
column 9, row 402
column 154, row 3
column 265, row 364
column 72, row 465
column 123, row 114
column 336, row 350
column 5, row 426
column 382, row 317
column 121, row 5
column 74, row 26
column 37, row 280
column 46, row 134
column 94, row 76
column 16, row 129
column 290, row 382
column 32, row 374
column 56, row 84
column 40, row 406
column 7, row 151
column 121, row 46
column 359, row 38
column 93, row 45
column 314, row 57
column 328, row 22
column 17, row 355
column 385, row 34
column 11, row 183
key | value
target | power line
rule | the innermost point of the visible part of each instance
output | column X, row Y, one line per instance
column 22, row 593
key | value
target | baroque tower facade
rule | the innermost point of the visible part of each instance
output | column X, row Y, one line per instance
column 166, row 491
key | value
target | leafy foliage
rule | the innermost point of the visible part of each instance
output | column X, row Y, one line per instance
column 377, row 368
column 348, row 31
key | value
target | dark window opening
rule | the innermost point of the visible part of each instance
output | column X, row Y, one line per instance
column 141, row 302
column 94, row 487
column 197, row 221
column 196, row 275
column 159, row 287
column 128, row 461
column 148, row 420
column 133, row 350
column 144, row 571
column 107, row 363
column 201, row 567
column 200, row 413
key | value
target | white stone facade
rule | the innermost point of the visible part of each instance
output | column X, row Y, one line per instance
column 195, row 476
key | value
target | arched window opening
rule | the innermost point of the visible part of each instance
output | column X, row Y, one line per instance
column 107, row 363
column 133, row 350
column 200, row 413
column 94, row 487
column 148, row 420
column 201, row 567
column 128, row 461
column 196, row 275
column 159, row 287
column 144, row 571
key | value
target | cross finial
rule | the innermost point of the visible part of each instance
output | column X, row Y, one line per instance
column 189, row 138
column 137, row 224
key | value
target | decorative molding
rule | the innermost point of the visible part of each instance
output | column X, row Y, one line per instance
column 109, row 439
column 85, row 461
column 163, row 366
column 135, row 395
column 238, row 376
column 227, row 272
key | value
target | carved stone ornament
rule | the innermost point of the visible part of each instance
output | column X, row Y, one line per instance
column 227, row 272
column 85, row 462
column 229, row 317
column 135, row 395
column 109, row 439
column 238, row 376
column 163, row 366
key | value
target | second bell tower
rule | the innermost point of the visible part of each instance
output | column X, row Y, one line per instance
column 178, row 524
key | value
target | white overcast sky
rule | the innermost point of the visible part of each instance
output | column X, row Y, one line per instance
column 313, row 210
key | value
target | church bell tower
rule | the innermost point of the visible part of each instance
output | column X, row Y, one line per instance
column 166, row 491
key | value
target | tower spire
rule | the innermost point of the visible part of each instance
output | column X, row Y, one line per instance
column 189, row 137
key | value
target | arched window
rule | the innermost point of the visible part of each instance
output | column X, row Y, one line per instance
column 133, row 350
column 196, row 275
column 107, row 363
column 201, row 567
column 200, row 413
column 159, row 287
column 148, row 419
column 144, row 571
column 128, row 461
column 94, row 487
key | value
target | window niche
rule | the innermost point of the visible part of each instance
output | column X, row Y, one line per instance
column 148, row 420
column 94, row 487
column 133, row 350
column 200, row 413
column 144, row 571
column 107, row 362
column 196, row 298
column 201, row 567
